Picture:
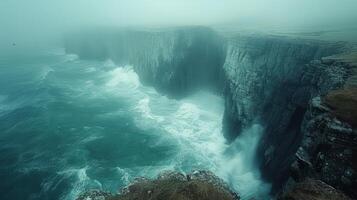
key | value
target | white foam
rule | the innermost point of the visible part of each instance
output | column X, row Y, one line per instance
column 82, row 182
column 70, row 57
column 238, row 165
column 123, row 77
column 194, row 124
column 144, row 108
column 90, row 69
column 109, row 64
column 126, row 178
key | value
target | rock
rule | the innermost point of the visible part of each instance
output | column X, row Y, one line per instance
column 328, row 145
column 312, row 190
column 272, row 80
column 201, row 185
column 94, row 195
column 172, row 175
column 344, row 104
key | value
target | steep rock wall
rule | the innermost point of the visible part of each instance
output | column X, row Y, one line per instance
column 329, row 136
column 269, row 80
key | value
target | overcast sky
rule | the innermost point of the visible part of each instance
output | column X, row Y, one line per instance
column 35, row 18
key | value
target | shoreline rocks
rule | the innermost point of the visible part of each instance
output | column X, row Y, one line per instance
column 198, row 185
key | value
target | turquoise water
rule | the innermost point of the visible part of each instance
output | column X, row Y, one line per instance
column 67, row 125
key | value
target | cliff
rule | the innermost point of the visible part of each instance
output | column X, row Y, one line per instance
column 328, row 151
column 270, row 80
column 174, row 61
column 264, row 78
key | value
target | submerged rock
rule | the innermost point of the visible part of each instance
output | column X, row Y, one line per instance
column 199, row 185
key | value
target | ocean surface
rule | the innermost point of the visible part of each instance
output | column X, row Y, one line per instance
column 68, row 125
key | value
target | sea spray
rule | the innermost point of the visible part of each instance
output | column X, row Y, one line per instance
column 239, row 167
column 195, row 124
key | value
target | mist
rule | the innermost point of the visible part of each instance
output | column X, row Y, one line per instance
column 233, row 96
column 40, row 21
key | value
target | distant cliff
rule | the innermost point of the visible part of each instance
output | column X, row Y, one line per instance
column 174, row 61
column 262, row 78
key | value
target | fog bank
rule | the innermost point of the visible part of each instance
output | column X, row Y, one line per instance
column 38, row 21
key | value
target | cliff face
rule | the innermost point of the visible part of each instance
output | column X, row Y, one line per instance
column 270, row 79
column 263, row 78
column 175, row 61
column 328, row 148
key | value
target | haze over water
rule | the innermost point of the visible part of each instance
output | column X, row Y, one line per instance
column 67, row 125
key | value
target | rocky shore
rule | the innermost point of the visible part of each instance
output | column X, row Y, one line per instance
column 302, row 91
column 198, row 185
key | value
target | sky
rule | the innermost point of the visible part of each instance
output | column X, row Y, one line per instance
column 40, row 19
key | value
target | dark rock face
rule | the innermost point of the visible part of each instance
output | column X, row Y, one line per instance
column 313, row 190
column 271, row 79
column 199, row 185
column 263, row 74
column 327, row 150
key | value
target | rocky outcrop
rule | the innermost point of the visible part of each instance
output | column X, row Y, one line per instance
column 263, row 78
column 199, row 185
column 328, row 148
